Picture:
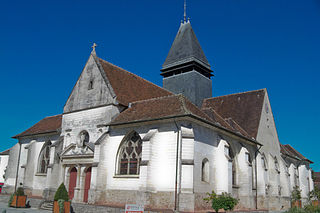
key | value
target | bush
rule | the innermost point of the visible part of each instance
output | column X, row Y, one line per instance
column 312, row 209
column 224, row 201
column 61, row 193
column 19, row 192
column 10, row 200
column 296, row 194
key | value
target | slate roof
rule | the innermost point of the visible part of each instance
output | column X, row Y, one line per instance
column 185, row 47
column 130, row 87
column 46, row 125
column 287, row 149
column 243, row 108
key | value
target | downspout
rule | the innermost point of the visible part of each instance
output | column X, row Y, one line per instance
column 256, row 177
column 15, row 186
column 177, row 168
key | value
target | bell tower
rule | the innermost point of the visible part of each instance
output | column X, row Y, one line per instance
column 186, row 69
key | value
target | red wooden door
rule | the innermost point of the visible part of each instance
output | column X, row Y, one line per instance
column 87, row 185
column 72, row 182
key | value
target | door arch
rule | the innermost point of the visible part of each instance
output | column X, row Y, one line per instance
column 72, row 182
column 87, row 183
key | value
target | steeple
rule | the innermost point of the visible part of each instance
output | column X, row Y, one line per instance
column 186, row 69
column 186, row 54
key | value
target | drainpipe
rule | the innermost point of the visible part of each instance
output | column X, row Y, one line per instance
column 15, row 186
column 177, row 164
column 256, row 172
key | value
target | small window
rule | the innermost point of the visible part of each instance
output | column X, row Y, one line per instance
column 90, row 85
column 263, row 162
column 276, row 165
column 205, row 170
column 248, row 158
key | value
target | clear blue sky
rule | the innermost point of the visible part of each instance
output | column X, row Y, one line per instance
column 273, row 44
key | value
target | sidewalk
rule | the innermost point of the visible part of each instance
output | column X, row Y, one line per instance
column 4, row 206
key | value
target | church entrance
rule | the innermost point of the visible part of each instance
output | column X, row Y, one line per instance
column 72, row 182
column 87, row 184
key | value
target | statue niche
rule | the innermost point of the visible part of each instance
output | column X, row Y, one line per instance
column 83, row 139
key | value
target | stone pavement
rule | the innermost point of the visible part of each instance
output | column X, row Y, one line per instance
column 4, row 208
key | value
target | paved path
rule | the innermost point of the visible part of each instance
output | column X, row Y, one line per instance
column 4, row 206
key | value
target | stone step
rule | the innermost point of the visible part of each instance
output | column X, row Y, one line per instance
column 47, row 205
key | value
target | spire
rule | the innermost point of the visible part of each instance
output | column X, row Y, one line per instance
column 185, row 12
column 186, row 50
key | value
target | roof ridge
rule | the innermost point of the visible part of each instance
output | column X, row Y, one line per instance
column 235, row 94
column 156, row 98
column 133, row 74
column 51, row 116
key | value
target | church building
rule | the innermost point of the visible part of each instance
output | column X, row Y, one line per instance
column 122, row 139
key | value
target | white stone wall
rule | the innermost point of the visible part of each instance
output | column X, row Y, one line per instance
column 3, row 165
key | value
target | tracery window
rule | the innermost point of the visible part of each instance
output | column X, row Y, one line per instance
column 263, row 162
column 44, row 158
column 130, row 155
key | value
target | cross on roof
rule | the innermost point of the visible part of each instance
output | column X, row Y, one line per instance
column 94, row 46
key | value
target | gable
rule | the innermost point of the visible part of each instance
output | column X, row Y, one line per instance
column 267, row 132
column 91, row 89
column 243, row 108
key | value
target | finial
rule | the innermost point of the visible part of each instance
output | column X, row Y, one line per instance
column 94, row 47
column 185, row 12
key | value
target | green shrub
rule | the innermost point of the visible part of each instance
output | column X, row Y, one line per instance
column 296, row 194
column 61, row 193
column 295, row 210
column 10, row 200
column 19, row 192
column 312, row 209
column 224, row 201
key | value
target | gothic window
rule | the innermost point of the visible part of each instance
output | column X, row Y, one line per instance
column 130, row 155
column 205, row 170
column 44, row 158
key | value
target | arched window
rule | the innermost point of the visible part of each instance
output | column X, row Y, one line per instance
column 229, row 154
column 129, row 156
column 205, row 170
column 44, row 158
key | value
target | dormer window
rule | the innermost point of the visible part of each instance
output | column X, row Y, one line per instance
column 90, row 86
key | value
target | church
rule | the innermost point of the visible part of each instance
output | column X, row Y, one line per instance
column 122, row 139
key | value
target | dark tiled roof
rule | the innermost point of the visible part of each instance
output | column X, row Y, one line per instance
column 243, row 108
column 46, row 125
column 316, row 176
column 159, row 108
column 185, row 47
column 287, row 149
column 130, row 87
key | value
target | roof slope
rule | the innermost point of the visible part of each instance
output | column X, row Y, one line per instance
column 46, row 125
column 287, row 149
column 130, row 87
column 244, row 109
column 159, row 108
column 185, row 46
